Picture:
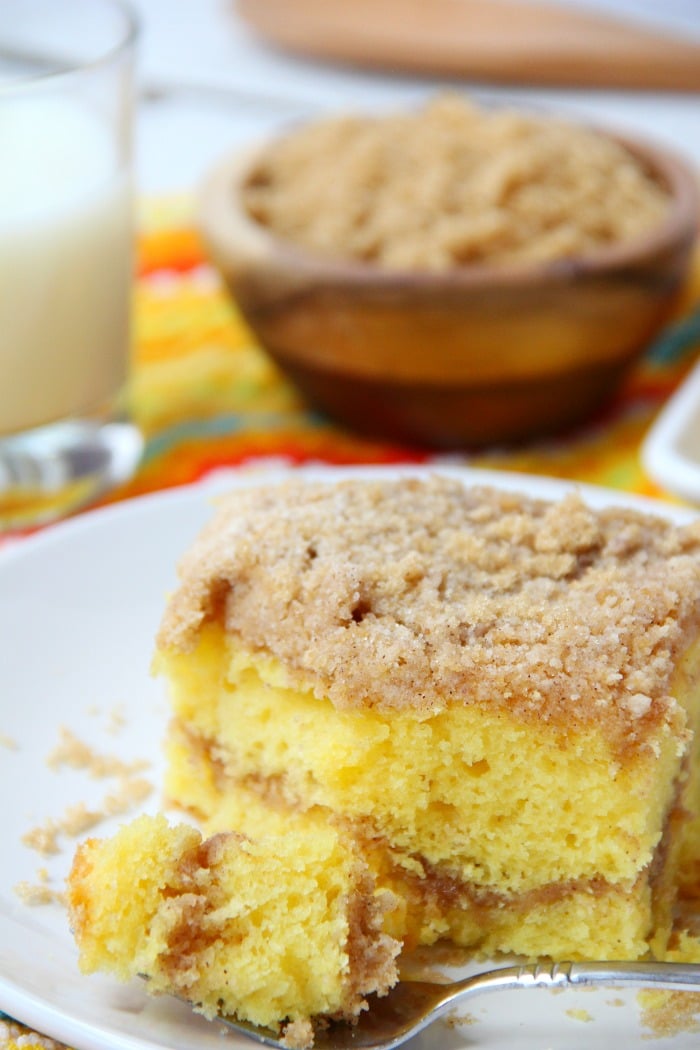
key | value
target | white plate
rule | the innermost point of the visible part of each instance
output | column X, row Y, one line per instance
column 671, row 450
column 79, row 606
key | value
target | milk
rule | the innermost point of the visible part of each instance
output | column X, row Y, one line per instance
column 65, row 263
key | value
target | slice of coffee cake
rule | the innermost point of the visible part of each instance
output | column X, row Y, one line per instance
column 497, row 695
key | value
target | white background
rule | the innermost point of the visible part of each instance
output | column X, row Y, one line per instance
column 209, row 84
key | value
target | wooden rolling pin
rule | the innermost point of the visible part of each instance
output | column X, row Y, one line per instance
column 507, row 41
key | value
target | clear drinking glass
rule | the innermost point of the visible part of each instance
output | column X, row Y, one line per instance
column 66, row 254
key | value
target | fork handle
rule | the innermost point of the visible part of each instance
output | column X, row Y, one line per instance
column 664, row 975
column 667, row 976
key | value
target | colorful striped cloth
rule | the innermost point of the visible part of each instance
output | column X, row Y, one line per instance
column 207, row 397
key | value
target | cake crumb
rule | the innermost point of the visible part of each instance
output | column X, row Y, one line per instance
column 638, row 704
column 8, row 742
column 460, row 1020
column 298, row 1035
column 35, row 894
column 667, row 1014
column 43, row 838
column 579, row 1015
column 77, row 819
column 75, row 753
column 131, row 791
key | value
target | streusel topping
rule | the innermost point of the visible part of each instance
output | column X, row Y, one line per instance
column 423, row 593
column 452, row 185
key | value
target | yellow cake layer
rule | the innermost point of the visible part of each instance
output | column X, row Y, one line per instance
column 269, row 931
column 460, row 787
column 456, row 800
column 588, row 920
column 687, row 690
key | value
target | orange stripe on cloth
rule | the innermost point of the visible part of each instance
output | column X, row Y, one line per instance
column 208, row 397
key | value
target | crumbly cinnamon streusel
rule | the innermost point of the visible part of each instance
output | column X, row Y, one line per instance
column 77, row 819
column 423, row 593
column 75, row 753
column 34, row 894
column 452, row 185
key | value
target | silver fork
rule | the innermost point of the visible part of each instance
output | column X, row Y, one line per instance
column 412, row 1005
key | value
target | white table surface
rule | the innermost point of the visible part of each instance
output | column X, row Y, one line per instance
column 208, row 85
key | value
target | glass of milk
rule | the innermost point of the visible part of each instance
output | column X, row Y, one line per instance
column 66, row 255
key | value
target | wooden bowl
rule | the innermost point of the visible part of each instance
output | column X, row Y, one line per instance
column 473, row 356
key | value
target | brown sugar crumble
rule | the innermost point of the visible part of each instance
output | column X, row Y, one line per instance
column 298, row 1035
column 40, row 892
column 73, row 752
column 452, row 185
column 460, row 1020
column 130, row 793
column 425, row 594
column 668, row 1014
column 77, row 819
column 43, row 838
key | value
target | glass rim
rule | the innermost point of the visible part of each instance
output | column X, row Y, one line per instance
column 125, row 42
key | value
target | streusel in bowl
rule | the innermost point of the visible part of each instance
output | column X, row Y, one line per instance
column 453, row 276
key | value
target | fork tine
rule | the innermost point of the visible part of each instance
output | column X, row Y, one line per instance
column 389, row 1021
